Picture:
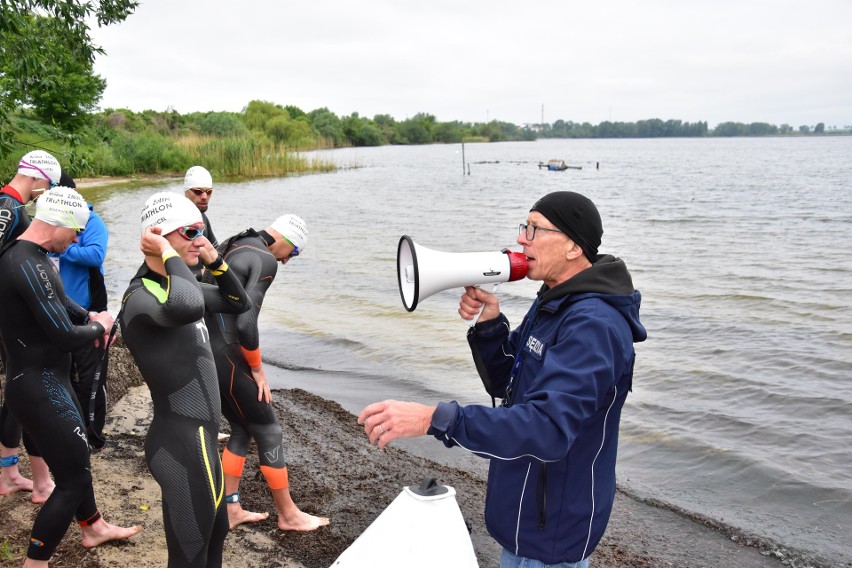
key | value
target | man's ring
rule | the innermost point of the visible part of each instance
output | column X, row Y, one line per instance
column 382, row 430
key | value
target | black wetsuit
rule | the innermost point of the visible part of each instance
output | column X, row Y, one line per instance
column 231, row 336
column 13, row 222
column 40, row 328
column 208, row 233
column 162, row 325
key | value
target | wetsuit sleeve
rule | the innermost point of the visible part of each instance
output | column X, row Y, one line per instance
column 258, row 269
column 228, row 295
column 77, row 313
column 173, row 302
column 41, row 289
column 10, row 209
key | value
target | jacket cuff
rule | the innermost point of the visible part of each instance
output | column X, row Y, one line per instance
column 493, row 326
column 443, row 418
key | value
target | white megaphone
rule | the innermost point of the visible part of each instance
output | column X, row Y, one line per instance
column 422, row 271
column 422, row 528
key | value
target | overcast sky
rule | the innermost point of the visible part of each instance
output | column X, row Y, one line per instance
column 778, row 61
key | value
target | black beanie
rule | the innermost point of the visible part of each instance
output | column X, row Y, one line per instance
column 67, row 181
column 576, row 216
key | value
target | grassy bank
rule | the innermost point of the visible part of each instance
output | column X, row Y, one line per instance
column 154, row 154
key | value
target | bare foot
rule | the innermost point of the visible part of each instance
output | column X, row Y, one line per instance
column 301, row 521
column 237, row 515
column 10, row 484
column 102, row 532
column 40, row 494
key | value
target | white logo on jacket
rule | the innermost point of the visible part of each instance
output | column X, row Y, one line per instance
column 534, row 345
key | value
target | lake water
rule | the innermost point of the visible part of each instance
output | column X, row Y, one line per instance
column 742, row 403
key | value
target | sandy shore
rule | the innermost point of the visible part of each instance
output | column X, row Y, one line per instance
column 335, row 473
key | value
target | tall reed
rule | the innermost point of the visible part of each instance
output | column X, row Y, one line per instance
column 249, row 157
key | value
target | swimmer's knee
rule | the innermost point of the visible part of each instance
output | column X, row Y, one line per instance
column 75, row 482
column 268, row 439
column 238, row 443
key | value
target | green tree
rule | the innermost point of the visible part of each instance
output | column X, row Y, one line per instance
column 361, row 132
column 819, row 128
column 258, row 113
column 294, row 133
column 413, row 131
column 66, row 102
column 449, row 132
column 221, row 124
column 761, row 129
column 294, row 111
column 24, row 57
column 328, row 125
column 730, row 129
column 387, row 124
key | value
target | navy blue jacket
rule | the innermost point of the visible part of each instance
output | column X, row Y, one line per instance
column 563, row 376
column 81, row 265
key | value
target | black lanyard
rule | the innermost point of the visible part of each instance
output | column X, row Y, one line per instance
column 519, row 355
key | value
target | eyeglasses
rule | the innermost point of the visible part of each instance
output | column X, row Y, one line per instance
column 199, row 191
column 528, row 230
column 191, row 232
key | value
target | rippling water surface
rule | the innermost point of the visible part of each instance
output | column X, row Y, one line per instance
column 742, row 403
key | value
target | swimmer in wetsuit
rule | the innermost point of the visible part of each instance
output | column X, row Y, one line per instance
column 253, row 256
column 38, row 171
column 162, row 325
column 40, row 328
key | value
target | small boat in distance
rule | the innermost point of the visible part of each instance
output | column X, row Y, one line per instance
column 557, row 166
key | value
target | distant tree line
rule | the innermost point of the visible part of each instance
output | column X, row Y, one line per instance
column 656, row 128
column 298, row 130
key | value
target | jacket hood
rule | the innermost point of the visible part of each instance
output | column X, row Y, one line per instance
column 607, row 279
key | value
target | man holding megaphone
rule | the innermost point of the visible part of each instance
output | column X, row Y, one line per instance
column 563, row 376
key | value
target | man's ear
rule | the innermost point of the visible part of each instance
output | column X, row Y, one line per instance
column 574, row 251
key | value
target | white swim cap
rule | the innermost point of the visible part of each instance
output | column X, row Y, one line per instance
column 293, row 229
column 40, row 165
column 169, row 211
column 63, row 207
column 197, row 176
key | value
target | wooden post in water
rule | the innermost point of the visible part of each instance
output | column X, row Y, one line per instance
column 462, row 157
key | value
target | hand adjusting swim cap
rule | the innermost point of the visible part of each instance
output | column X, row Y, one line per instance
column 63, row 207
column 169, row 211
column 40, row 165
